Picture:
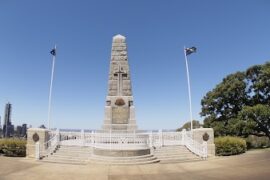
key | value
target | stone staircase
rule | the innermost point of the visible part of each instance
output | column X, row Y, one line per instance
column 70, row 155
column 83, row 155
column 174, row 154
column 132, row 160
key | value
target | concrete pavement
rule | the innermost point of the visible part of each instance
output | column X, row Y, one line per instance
column 251, row 165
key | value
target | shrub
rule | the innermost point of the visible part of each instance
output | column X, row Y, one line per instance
column 13, row 147
column 257, row 142
column 227, row 145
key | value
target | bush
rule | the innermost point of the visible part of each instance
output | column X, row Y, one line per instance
column 257, row 142
column 227, row 145
column 13, row 147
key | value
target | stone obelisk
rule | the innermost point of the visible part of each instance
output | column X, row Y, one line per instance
column 119, row 109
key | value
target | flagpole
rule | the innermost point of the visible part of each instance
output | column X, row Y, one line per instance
column 189, row 91
column 50, row 93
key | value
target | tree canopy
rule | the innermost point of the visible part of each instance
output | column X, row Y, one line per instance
column 239, row 105
column 195, row 124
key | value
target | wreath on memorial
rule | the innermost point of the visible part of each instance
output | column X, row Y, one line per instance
column 120, row 102
column 35, row 137
column 205, row 137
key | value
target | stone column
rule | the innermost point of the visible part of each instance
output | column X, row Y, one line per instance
column 35, row 135
column 206, row 134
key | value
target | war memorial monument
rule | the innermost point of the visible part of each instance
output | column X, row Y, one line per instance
column 119, row 141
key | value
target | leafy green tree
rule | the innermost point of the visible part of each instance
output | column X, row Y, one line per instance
column 256, row 120
column 195, row 124
column 225, row 108
column 258, row 79
column 222, row 104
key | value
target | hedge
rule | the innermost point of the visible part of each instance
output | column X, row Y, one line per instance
column 254, row 142
column 227, row 145
column 13, row 147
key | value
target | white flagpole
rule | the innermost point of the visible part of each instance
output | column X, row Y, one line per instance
column 50, row 93
column 189, row 91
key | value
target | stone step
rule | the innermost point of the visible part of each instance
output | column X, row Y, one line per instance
column 166, row 161
column 117, row 157
column 122, row 160
column 66, row 161
column 146, row 161
column 74, row 147
column 74, row 152
column 179, row 153
column 175, row 155
column 70, row 156
column 67, row 158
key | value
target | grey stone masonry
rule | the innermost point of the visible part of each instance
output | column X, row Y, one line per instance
column 119, row 109
column 119, row 76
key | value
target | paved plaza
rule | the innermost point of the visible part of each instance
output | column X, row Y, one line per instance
column 251, row 165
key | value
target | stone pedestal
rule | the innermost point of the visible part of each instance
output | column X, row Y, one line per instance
column 208, row 134
column 35, row 135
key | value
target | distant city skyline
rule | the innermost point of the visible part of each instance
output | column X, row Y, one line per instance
column 230, row 36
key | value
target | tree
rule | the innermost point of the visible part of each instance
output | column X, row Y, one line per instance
column 196, row 124
column 222, row 104
column 221, row 107
column 258, row 79
column 42, row 126
column 256, row 119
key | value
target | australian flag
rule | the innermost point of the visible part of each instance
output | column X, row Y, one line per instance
column 53, row 52
column 190, row 50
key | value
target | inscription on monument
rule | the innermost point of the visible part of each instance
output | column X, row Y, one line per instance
column 120, row 115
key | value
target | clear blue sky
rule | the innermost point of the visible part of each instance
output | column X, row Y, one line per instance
column 230, row 36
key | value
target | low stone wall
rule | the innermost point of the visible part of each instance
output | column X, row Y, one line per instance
column 207, row 133
column 35, row 135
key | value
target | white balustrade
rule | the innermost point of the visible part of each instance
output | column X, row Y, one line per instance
column 123, row 140
column 50, row 146
column 196, row 147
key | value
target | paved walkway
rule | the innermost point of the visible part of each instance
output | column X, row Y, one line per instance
column 251, row 165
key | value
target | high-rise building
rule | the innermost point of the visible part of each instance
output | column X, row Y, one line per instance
column 24, row 130
column 18, row 131
column 8, row 128
column 1, row 131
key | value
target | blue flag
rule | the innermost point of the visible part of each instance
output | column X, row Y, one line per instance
column 190, row 50
column 53, row 52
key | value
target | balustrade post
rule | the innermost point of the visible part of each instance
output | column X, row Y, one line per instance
column 151, row 139
column 92, row 138
column 184, row 133
column 160, row 138
column 134, row 135
column 205, row 153
column 57, row 137
column 110, row 139
column 37, row 149
column 82, row 137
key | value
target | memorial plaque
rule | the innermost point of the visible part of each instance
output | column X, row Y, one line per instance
column 120, row 115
